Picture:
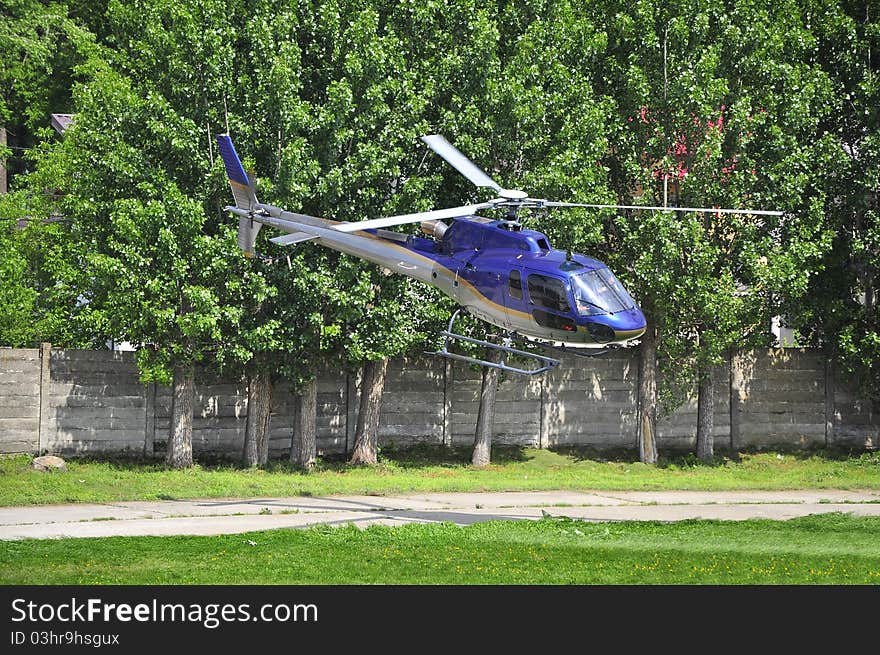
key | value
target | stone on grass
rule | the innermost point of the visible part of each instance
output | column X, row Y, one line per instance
column 49, row 463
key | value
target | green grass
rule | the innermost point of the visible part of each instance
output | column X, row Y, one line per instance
column 433, row 469
column 818, row 549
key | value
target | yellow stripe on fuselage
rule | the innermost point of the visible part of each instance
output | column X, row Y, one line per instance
column 450, row 273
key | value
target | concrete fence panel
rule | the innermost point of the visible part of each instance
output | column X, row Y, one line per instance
column 79, row 401
column 96, row 403
column 592, row 401
column 20, row 373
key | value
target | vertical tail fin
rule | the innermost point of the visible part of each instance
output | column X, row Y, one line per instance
column 243, row 191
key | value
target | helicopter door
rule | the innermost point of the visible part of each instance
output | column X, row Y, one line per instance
column 465, row 278
column 515, row 302
column 549, row 305
column 484, row 294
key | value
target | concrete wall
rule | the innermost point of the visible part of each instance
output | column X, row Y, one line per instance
column 77, row 401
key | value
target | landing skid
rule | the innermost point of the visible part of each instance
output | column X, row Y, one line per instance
column 543, row 363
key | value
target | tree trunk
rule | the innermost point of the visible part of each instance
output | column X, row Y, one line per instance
column 366, row 438
column 179, row 450
column 706, row 417
column 303, row 446
column 3, row 187
column 647, row 402
column 486, row 414
column 256, row 431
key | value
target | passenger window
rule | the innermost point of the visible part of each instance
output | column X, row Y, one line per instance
column 548, row 292
column 514, row 285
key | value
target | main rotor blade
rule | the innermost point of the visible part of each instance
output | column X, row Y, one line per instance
column 553, row 203
column 455, row 158
column 452, row 212
column 761, row 212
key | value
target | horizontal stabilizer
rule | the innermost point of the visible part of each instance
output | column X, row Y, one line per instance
column 292, row 238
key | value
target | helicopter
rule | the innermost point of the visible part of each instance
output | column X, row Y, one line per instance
column 497, row 270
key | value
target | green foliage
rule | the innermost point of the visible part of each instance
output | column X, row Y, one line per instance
column 841, row 309
column 770, row 106
column 40, row 46
column 39, row 295
column 150, row 272
column 720, row 107
column 18, row 297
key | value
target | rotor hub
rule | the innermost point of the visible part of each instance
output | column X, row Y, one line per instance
column 512, row 194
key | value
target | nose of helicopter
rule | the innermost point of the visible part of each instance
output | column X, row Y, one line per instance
column 629, row 324
column 619, row 326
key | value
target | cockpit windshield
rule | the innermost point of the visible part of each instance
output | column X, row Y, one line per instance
column 599, row 292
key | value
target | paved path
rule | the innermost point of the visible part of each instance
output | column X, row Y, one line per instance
column 230, row 516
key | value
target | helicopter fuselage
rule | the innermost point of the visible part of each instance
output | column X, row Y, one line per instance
column 504, row 274
column 512, row 278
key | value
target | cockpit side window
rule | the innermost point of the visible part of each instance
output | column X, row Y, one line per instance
column 549, row 292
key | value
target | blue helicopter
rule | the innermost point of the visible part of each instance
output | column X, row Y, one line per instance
column 497, row 270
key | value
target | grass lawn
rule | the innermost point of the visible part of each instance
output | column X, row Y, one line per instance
column 820, row 549
column 435, row 469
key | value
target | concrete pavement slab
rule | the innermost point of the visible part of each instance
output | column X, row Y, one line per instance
column 739, row 497
column 226, row 506
column 233, row 516
column 715, row 511
column 73, row 512
column 522, row 498
column 206, row 525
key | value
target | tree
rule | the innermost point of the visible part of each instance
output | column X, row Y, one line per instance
column 365, row 449
column 281, row 331
column 218, row 79
column 153, row 272
column 303, row 447
column 725, row 130
column 840, row 310
column 370, row 101
column 199, row 290
column 532, row 121
column 390, row 325
column 482, row 455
